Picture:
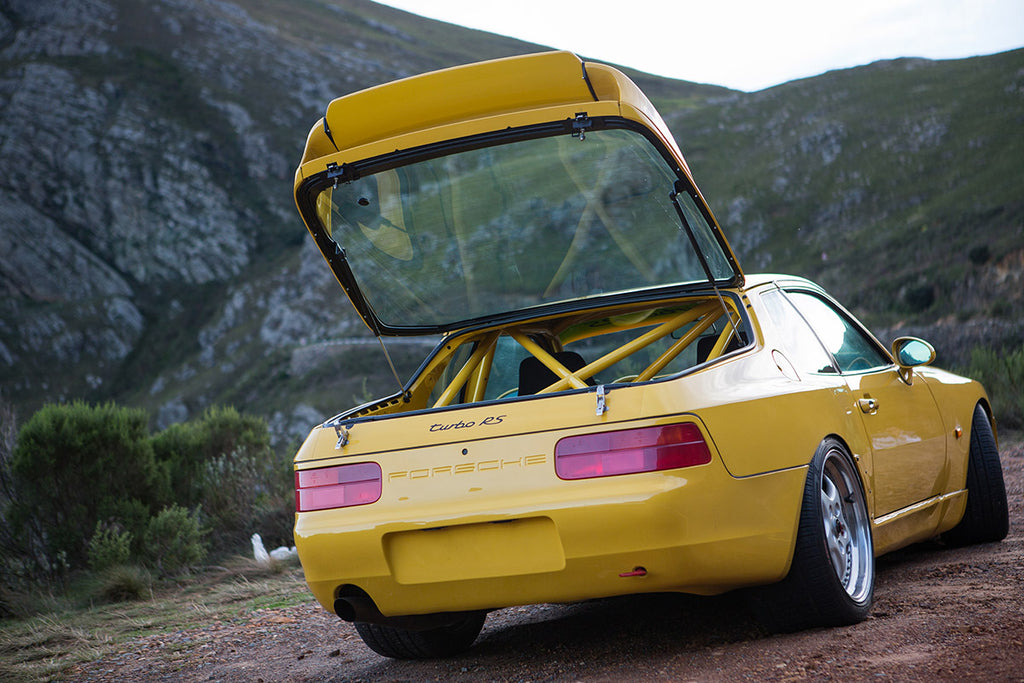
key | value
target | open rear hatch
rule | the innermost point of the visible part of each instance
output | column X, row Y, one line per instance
column 504, row 191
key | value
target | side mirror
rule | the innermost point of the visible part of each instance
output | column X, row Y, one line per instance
column 911, row 352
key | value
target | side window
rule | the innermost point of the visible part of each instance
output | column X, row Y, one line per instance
column 801, row 345
column 852, row 349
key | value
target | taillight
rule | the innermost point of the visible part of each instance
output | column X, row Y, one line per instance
column 337, row 487
column 629, row 451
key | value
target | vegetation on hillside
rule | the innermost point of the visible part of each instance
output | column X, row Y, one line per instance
column 88, row 488
column 885, row 183
column 1002, row 373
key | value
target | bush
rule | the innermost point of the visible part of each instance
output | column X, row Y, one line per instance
column 96, row 469
column 224, row 464
column 73, row 463
column 179, row 450
column 133, row 517
column 184, row 449
column 243, row 494
column 1002, row 373
column 919, row 298
column 121, row 583
column 174, row 540
column 109, row 546
column 979, row 255
column 231, row 483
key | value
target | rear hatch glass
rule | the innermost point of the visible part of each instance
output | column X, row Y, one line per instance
column 448, row 238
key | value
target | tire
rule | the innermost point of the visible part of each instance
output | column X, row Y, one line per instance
column 434, row 643
column 986, row 517
column 831, row 580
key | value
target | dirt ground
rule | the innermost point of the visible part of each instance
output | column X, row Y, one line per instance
column 939, row 615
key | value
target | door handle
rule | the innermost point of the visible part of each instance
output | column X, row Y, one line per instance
column 868, row 405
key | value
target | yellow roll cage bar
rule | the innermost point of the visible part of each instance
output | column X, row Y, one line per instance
column 475, row 371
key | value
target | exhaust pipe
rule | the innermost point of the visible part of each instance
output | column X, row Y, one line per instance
column 359, row 607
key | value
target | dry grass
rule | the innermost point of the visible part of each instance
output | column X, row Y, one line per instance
column 68, row 630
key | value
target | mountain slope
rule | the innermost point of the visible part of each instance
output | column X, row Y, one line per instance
column 897, row 186
column 152, row 253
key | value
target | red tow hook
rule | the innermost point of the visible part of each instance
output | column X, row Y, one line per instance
column 637, row 571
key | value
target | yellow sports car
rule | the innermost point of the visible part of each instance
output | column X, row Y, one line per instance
column 613, row 406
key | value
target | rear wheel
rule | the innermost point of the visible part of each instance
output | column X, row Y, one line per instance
column 433, row 643
column 986, row 518
column 831, row 580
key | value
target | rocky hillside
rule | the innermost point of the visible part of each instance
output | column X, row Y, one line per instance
column 898, row 186
column 152, row 255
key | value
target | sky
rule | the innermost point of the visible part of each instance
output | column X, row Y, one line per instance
column 744, row 44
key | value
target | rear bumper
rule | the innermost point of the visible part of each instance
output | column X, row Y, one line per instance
column 695, row 530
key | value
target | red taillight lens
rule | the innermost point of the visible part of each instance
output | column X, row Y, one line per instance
column 337, row 487
column 630, row 451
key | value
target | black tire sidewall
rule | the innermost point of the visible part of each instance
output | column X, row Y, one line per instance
column 986, row 513
column 815, row 551
column 812, row 595
column 434, row 643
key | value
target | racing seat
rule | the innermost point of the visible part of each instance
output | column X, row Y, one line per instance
column 534, row 375
column 705, row 344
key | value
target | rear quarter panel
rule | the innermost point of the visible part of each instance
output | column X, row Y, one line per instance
column 956, row 398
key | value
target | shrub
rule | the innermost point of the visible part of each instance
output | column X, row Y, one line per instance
column 96, row 468
column 121, row 583
column 225, row 430
column 979, row 255
column 1002, row 373
column 133, row 517
column 179, row 450
column 174, row 540
column 243, row 494
column 185, row 448
column 73, row 462
column 274, row 516
column 224, row 464
column 109, row 546
column 919, row 298
column 230, row 484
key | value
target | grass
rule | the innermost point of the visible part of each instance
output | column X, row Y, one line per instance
column 72, row 629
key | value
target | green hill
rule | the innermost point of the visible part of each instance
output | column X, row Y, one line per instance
column 153, row 254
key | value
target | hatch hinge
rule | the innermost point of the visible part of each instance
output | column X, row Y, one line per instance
column 581, row 124
column 342, row 433
column 602, row 401
column 340, row 173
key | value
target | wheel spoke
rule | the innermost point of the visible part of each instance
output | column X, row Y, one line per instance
column 829, row 496
column 836, row 535
column 847, row 534
column 837, row 553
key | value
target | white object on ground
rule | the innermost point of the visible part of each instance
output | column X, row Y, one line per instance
column 259, row 553
column 262, row 557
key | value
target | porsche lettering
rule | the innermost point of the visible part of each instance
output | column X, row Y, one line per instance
column 468, row 467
